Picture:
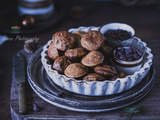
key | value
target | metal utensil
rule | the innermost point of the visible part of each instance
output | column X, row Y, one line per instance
column 19, row 70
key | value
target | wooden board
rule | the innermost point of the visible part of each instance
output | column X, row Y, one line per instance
column 150, row 103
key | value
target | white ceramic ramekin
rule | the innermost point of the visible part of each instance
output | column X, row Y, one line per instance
column 128, row 67
column 117, row 26
column 99, row 88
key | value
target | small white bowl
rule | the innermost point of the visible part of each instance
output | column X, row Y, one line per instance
column 116, row 26
column 128, row 67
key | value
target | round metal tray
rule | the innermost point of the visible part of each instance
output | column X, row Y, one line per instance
column 48, row 91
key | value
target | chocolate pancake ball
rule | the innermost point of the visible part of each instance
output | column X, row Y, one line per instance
column 53, row 52
column 63, row 40
column 93, row 59
column 93, row 40
column 76, row 70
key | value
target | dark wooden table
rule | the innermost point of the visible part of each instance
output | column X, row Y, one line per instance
column 145, row 21
column 48, row 111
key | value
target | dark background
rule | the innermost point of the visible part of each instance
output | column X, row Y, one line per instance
column 145, row 19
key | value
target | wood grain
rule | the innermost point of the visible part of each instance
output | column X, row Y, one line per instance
column 150, row 103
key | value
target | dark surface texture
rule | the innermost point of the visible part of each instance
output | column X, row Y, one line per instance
column 145, row 21
column 9, row 20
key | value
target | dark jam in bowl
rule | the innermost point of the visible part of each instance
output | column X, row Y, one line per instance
column 128, row 53
column 117, row 35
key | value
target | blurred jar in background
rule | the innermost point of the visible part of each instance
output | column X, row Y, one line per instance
column 39, row 9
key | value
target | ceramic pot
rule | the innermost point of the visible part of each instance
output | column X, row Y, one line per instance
column 128, row 67
column 39, row 9
column 118, row 26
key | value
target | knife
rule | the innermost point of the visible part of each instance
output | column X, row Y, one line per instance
column 19, row 70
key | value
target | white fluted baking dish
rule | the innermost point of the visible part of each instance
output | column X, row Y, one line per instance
column 99, row 88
